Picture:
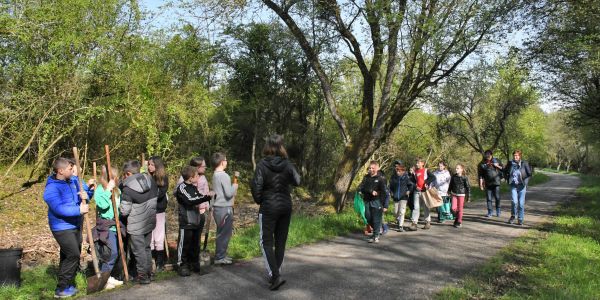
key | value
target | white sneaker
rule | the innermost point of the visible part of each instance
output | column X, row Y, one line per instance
column 223, row 261
column 114, row 281
column 109, row 286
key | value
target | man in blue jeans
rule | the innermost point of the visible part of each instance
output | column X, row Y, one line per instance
column 517, row 173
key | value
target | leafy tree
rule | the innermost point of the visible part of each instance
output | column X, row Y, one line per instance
column 567, row 49
column 407, row 48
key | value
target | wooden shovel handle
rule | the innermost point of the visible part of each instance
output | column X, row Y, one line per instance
column 85, row 216
column 116, row 215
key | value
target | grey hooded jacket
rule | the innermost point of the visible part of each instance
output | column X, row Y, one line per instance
column 138, row 203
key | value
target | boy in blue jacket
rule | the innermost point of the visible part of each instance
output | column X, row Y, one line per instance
column 66, row 204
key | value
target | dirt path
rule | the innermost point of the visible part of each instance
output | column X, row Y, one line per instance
column 409, row 265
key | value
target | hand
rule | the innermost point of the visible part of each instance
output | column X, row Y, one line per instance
column 384, row 209
column 481, row 187
column 375, row 193
column 111, row 185
column 83, row 208
column 211, row 193
column 83, row 195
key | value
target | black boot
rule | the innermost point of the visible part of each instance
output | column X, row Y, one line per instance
column 160, row 261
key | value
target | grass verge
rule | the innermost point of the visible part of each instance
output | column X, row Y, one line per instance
column 558, row 261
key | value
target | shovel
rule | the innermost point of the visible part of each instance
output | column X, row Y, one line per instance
column 116, row 214
column 95, row 282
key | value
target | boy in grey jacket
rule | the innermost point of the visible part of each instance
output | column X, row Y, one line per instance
column 222, row 207
column 138, row 205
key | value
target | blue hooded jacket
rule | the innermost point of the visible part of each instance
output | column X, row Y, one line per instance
column 63, row 203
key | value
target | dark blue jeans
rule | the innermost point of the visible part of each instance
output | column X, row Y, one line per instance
column 493, row 193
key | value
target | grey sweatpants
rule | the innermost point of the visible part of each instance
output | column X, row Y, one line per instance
column 140, row 246
column 224, row 220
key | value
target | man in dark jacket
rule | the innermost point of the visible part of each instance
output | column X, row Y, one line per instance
column 517, row 173
column 271, row 189
column 188, row 197
column 422, row 179
column 138, row 204
column 374, row 193
column 490, row 174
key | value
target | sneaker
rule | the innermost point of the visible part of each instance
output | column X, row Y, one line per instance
column 373, row 240
column 114, row 281
column 457, row 225
column 413, row 227
column 276, row 283
column 427, row 225
column 520, row 223
column 223, row 261
column 109, row 286
column 400, row 229
column 142, row 279
column 511, row 220
column 66, row 292
column 183, row 271
column 489, row 215
column 376, row 240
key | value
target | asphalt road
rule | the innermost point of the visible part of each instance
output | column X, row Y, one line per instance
column 408, row 265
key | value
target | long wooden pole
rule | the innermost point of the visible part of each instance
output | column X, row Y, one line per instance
column 85, row 216
column 116, row 213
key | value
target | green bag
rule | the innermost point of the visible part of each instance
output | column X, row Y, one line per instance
column 359, row 207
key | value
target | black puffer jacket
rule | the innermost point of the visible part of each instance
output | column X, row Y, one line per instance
column 400, row 185
column 161, row 202
column 459, row 185
column 271, row 185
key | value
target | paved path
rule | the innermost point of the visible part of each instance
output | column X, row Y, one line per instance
column 409, row 265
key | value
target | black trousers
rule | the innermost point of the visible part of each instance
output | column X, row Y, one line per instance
column 70, row 251
column 274, row 229
column 188, row 247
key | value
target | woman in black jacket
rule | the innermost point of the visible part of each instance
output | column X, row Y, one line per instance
column 271, row 188
column 156, row 168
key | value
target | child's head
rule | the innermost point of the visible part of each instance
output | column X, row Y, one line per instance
column 199, row 163
column 274, row 146
column 420, row 163
column 399, row 167
column 219, row 161
column 63, row 168
column 189, row 174
column 373, row 168
column 156, row 168
column 460, row 169
column 442, row 165
column 131, row 167
column 104, row 175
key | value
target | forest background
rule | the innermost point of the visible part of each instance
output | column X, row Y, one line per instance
column 188, row 78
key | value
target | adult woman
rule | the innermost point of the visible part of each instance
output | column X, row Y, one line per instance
column 156, row 168
column 271, row 188
column 517, row 174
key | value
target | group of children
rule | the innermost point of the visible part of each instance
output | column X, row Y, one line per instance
column 406, row 188
column 140, row 200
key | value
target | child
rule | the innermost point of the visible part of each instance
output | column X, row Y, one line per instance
column 421, row 178
column 138, row 205
column 374, row 192
column 188, row 197
column 66, row 204
column 400, row 187
column 201, row 184
column 460, row 189
column 222, row 207
column 106, row 221
column 442, row 181
column 156, row 168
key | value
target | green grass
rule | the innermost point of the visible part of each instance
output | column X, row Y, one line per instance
column 561, row 260
column 38, row 283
